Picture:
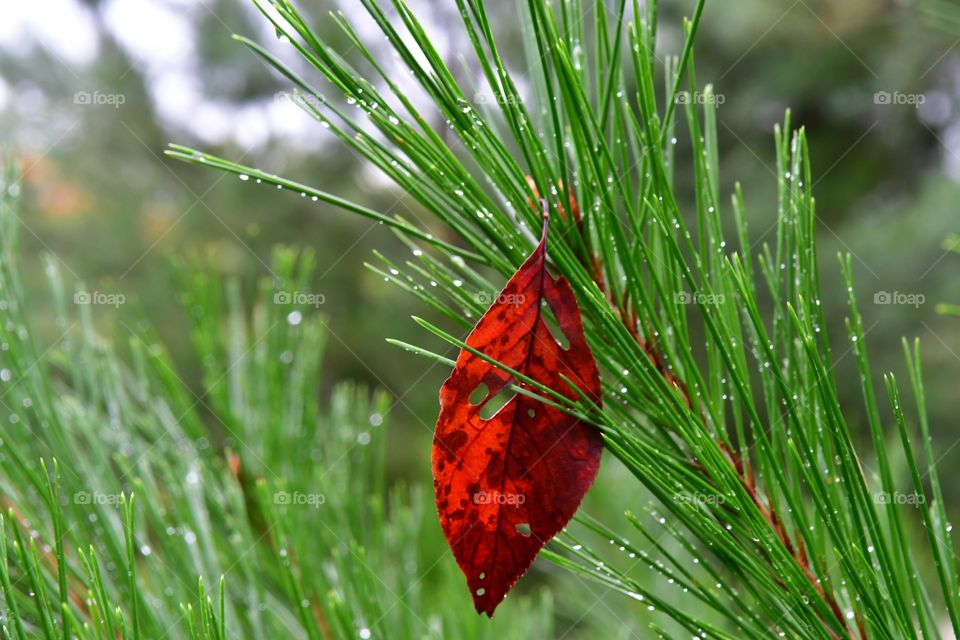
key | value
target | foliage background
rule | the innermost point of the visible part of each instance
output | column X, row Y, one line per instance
column 100, row 196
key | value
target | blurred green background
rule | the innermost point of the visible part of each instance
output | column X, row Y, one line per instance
column 91, row 91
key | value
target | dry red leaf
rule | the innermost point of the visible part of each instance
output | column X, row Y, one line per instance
column 507, row 484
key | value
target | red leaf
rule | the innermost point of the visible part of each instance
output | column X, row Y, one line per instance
column 506, row 485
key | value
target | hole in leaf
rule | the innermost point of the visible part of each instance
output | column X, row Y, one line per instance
column 479, row 394
column 531, row 413
column 554, row 327
column 524, row 529
column 494, row 404
column 481, row 591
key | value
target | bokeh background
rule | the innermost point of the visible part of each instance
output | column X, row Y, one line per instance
column 91, row 91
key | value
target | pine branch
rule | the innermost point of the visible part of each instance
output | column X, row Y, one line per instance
column 782, row 508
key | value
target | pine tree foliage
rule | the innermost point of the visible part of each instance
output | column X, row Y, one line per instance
column 721, row 395
column 136, row 507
